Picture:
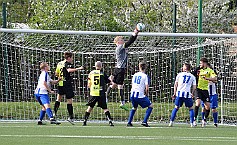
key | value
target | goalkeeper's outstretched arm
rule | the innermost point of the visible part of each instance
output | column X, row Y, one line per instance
column 131, row 39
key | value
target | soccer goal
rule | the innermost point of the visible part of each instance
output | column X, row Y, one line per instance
column 22, row 51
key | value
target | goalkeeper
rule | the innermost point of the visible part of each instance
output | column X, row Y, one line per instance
column 119, row 73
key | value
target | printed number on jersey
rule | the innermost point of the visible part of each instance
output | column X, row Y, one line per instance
column 137, row 79
column 186, row 79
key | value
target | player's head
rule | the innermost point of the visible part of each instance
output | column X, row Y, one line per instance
column 68, row 56
column 98, row 65
column 44, row 66
column 142, row 66
column 186, row 67
column 209, row 65
column 203, row 62
column 118, row 40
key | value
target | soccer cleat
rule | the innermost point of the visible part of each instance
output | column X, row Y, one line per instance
column 41, row 123
column 191, row 125
column 204, row 123
column 111, row 123
column 215, row 124
column 170, row 124
column 53, row 121
column 129, row 125
column 145, row 124
column 71, row 121
column 194, row 123
column 122, row 106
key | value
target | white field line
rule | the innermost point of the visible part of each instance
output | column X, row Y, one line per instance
column 211, row 139
column 135, row 127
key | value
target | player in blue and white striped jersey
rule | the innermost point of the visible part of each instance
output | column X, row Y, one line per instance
column 41, row 93
column 138, row 97
column 213, row 101
column 182, row 92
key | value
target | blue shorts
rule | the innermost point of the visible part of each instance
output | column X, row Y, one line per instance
column 180, row 100
column 213, row 101
column 143, row 102
column 42, row 98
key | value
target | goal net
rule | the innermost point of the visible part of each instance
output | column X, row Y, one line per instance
column 22, row 51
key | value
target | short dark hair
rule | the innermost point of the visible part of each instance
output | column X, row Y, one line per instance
column 188, row 66
column 204, row 60
column 209, row 65
column 67, row 55
column 142, row 65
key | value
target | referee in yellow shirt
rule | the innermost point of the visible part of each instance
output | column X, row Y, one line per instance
column 204, row 75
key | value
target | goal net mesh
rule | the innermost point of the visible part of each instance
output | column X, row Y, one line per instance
column 21, row 54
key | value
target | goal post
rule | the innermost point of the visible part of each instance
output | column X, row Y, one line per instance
column 22, row 50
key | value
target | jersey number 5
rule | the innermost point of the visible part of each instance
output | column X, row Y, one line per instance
column 96, row 80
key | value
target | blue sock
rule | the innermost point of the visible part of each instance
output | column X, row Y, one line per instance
column 132, row 112
column 203, row 115
column 49, row 113
column 215, row 116
column 148, row 113
column 173, row 114
column 191, row 113
column 42, row 114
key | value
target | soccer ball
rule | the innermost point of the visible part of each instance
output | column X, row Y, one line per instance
column 140, row 26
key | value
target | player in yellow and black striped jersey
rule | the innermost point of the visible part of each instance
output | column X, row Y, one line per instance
column 64, row 70
column 204, row 75
column 97, row 81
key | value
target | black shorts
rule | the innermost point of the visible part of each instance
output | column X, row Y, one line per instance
column 203, row 95
column 119, row 74
column 67, row 91
column 100, row 99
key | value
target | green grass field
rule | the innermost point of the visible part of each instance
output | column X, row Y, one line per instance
column 12, row 133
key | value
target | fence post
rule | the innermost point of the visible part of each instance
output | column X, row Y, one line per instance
column 174, row 43
column 200, row 51
column 5, row 58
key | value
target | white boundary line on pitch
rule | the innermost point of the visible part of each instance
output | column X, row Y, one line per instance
column 211, row 139
column 75, row 126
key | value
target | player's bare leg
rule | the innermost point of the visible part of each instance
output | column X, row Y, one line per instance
column 57, row 104
column 70, row 111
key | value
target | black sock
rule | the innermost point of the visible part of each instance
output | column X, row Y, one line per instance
column 108, row 116
column 121, row 94
column 108, row 91
column 196, row 112
column 56, row 106
column 70, row 110
column 207, row 112
column 87, row 114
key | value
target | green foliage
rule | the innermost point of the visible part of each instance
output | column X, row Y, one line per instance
column 122, row 15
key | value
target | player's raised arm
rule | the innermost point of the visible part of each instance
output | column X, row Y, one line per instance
column 131, row 39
